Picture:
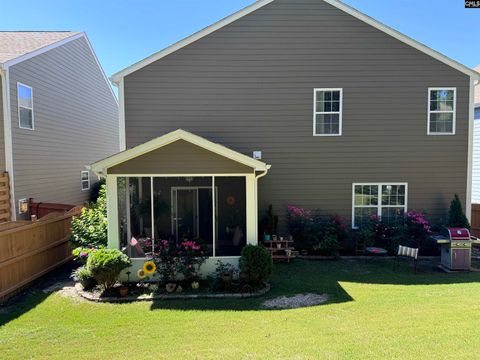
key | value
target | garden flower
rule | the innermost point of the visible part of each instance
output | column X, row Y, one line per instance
column 149, row 267
column 141, row 274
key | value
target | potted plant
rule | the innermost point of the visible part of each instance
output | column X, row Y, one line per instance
column 124, row 290
column 84, row 277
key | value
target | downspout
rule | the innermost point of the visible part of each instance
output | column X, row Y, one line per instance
column 7, row 135
column 262, row 174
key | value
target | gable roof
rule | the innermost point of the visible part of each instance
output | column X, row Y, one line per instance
column 115, row 78
column 18, row 46
column 101, row 166
column 14, row 44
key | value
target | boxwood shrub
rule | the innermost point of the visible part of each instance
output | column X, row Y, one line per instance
column 256, row 262
column 105, row 266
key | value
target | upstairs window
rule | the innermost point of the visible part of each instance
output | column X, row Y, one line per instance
column 441, row 111
column 327, row 119
column 25, row 106
column 85, row 180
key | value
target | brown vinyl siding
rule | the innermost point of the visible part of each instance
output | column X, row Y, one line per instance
column 75, row 120
column 180, row 157
column 250, row 87
column 2, row 138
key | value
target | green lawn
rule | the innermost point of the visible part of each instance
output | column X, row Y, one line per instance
column 374, row 312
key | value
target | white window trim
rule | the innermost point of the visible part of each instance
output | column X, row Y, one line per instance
column 454, row 111
column 81, row 180
column 379, row 205
column 19, row 106
column 315, row 112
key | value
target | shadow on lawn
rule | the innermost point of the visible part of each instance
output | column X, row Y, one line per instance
column 324, row 277
column 33, row 295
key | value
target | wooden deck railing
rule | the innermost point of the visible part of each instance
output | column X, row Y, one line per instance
column 30, row 249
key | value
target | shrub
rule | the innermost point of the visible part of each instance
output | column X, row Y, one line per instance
column 84, row 276
column 456, row 216
column 80, row 254
column 165, row 260
column 190, row 259
column 256, row 262
column 96, row 189
column 299, row 222
column 328, row 233
column 105, row 266
column 90, row 228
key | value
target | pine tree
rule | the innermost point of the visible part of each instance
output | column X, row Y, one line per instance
column 456, row 216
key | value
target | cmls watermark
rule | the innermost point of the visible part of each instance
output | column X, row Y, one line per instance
column 472, row 4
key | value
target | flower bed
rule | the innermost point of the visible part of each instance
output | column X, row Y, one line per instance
column 150, row 294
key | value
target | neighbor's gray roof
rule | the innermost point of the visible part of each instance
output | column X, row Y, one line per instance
column 17, row 43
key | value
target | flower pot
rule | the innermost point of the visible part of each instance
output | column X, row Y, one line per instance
column 170, row 287
column 179, row 289
column 123, row 291
column 266, row 237
column 279, row 246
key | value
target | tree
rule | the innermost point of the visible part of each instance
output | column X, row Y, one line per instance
column 456, row 216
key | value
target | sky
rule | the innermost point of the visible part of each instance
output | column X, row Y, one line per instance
column 125, row 31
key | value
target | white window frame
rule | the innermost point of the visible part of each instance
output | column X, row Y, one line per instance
column 81, row 180
column 379, row 205
column 315, row 112
column 454, row 111
column 20, row 106
column 20, row 201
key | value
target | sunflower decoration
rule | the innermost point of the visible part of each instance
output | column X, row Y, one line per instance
column 141, row 274
column 149, row 267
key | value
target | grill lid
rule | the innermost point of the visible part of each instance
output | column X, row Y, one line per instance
column 459, row 234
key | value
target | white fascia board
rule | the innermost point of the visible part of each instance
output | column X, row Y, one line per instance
column 100, row 166
column 115, row 78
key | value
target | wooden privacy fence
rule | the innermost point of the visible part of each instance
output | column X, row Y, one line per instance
column 30, row 249
column 5, row 214
column 475, row 220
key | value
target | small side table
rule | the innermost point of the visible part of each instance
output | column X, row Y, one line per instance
column 376, row 251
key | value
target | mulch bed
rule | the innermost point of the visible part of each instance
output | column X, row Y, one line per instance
column 98, row 296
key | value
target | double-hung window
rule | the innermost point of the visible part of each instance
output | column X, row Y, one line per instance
column 387, row 201
column 441, row 111
column 85, row 180
column 327, row 119
column 25, row 106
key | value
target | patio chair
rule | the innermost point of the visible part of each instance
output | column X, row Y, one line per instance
column 407, row 252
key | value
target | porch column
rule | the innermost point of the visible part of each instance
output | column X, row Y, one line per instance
column 252, row 225
column 112, row 212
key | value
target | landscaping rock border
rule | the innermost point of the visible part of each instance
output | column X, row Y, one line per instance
column 114, row 299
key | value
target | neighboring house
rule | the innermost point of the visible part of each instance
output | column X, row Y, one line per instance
column 476, row 147
column 57, row 114
column 353, row 117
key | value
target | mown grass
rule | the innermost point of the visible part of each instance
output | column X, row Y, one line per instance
column 374, row 311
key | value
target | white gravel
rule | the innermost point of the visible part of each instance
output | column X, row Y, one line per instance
column 296, row 301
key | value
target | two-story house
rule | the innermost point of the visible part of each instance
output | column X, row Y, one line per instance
column 57, row 115
column 309, row 103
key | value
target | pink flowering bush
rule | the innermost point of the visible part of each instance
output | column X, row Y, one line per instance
column 299, row 223
column 190, row 257
column 412, row 229
column 185, row 258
